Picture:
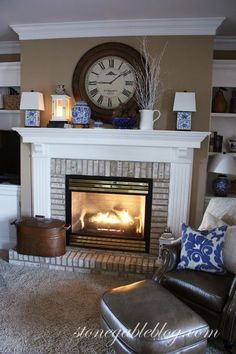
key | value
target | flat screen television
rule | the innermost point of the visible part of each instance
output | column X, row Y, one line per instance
column 9, row 157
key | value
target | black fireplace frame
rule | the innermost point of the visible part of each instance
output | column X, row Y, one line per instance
column 148, row 209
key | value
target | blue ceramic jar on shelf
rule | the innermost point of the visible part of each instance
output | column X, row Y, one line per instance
column 81, row 113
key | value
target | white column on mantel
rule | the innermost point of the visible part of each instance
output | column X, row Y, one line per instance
column 41, row 196
column 179, row 196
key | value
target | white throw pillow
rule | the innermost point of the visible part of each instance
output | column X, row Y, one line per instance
column 210, row 222
column 229, row 252
column 229, row 218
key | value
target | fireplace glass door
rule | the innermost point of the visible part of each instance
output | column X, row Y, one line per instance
column 107, row 212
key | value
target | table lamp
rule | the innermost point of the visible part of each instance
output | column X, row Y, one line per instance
column 32, row 102
column 184, row 105
column 223, row 164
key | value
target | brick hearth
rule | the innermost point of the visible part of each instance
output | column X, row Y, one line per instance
column 92, row 261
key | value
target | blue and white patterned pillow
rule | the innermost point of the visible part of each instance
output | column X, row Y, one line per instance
column 202, row 250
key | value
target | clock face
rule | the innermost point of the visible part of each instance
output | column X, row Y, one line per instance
column 104, row 77
column 110, row 81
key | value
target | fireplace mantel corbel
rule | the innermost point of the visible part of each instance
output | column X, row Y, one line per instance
column 39, row 150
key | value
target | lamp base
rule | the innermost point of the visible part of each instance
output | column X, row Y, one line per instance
column 221, row 186
column 183, row 121
column 32, row 118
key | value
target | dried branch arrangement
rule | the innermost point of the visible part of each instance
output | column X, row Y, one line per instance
column 148, row 83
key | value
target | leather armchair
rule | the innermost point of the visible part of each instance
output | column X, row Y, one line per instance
column 211, row 295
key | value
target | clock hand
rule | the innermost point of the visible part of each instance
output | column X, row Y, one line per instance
column 118, row 76
column 103, row 82
column 110, row 82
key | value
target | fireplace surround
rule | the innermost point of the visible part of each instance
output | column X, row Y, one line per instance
column 158, row 173
column 164, row 156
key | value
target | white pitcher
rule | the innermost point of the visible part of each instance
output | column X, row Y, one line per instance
column 146, row 118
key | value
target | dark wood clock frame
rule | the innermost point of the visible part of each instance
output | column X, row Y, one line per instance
column 131, row 55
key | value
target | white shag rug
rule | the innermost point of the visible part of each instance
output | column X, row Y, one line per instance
column 42, row 309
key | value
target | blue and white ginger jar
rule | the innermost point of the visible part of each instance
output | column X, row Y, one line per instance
column 81, row 113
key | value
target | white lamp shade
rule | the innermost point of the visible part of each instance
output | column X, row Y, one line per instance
column 184, row 102
column 32, row 100
column 223, row 164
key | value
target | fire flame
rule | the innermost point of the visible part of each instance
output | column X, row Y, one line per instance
column 113, row 217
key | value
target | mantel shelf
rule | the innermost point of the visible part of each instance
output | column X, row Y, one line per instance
column 109, row 137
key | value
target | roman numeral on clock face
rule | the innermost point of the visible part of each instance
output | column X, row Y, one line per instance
column 111, row 63
column 127, row 72
column 120, row 65
column 102, row 66
column 93, row 92
column 109, row 103
column 126, row 93
column 100, row 99
column 92, row 82
column 129, row 83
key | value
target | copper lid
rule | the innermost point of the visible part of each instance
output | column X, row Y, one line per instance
column 41, row 222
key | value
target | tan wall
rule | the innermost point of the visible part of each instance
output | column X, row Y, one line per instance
column 186, row 65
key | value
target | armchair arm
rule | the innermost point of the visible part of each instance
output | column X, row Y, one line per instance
column 170, row 255
column 228, row 323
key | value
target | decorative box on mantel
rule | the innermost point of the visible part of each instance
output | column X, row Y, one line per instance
column 108, row 145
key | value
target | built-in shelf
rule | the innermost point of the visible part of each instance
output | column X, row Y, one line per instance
column 11, row 111
column 223, row 115
column 208, row 197
column 215, row 153
column 223, row 124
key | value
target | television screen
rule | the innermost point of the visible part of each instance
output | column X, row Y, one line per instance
column 9, row 157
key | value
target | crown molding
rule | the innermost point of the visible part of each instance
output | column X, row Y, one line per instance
column 141, row 27
column 9, row 47
column 225, row 43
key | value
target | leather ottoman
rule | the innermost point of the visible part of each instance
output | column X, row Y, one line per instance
column 146, row 318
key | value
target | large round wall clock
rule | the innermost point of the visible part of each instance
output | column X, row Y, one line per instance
column 105, row 78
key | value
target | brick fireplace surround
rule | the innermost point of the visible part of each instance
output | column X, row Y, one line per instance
column 164, row 156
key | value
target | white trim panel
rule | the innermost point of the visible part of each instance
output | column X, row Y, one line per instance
column 9, row 74
column 41, row 196
column 179, row 195
column 224, row 73
column 139, row 27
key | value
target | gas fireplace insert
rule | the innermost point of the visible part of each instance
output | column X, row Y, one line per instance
column 109, row 212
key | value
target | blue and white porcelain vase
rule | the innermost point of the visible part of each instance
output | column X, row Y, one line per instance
column 81, row 113
column 221, row 186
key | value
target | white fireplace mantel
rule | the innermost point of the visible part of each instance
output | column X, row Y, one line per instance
column 157, row 138
column 175, row 147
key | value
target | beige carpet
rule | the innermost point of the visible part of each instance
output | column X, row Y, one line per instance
column 41, row 310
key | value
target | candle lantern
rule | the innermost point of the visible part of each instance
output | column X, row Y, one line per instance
column 60, row 108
